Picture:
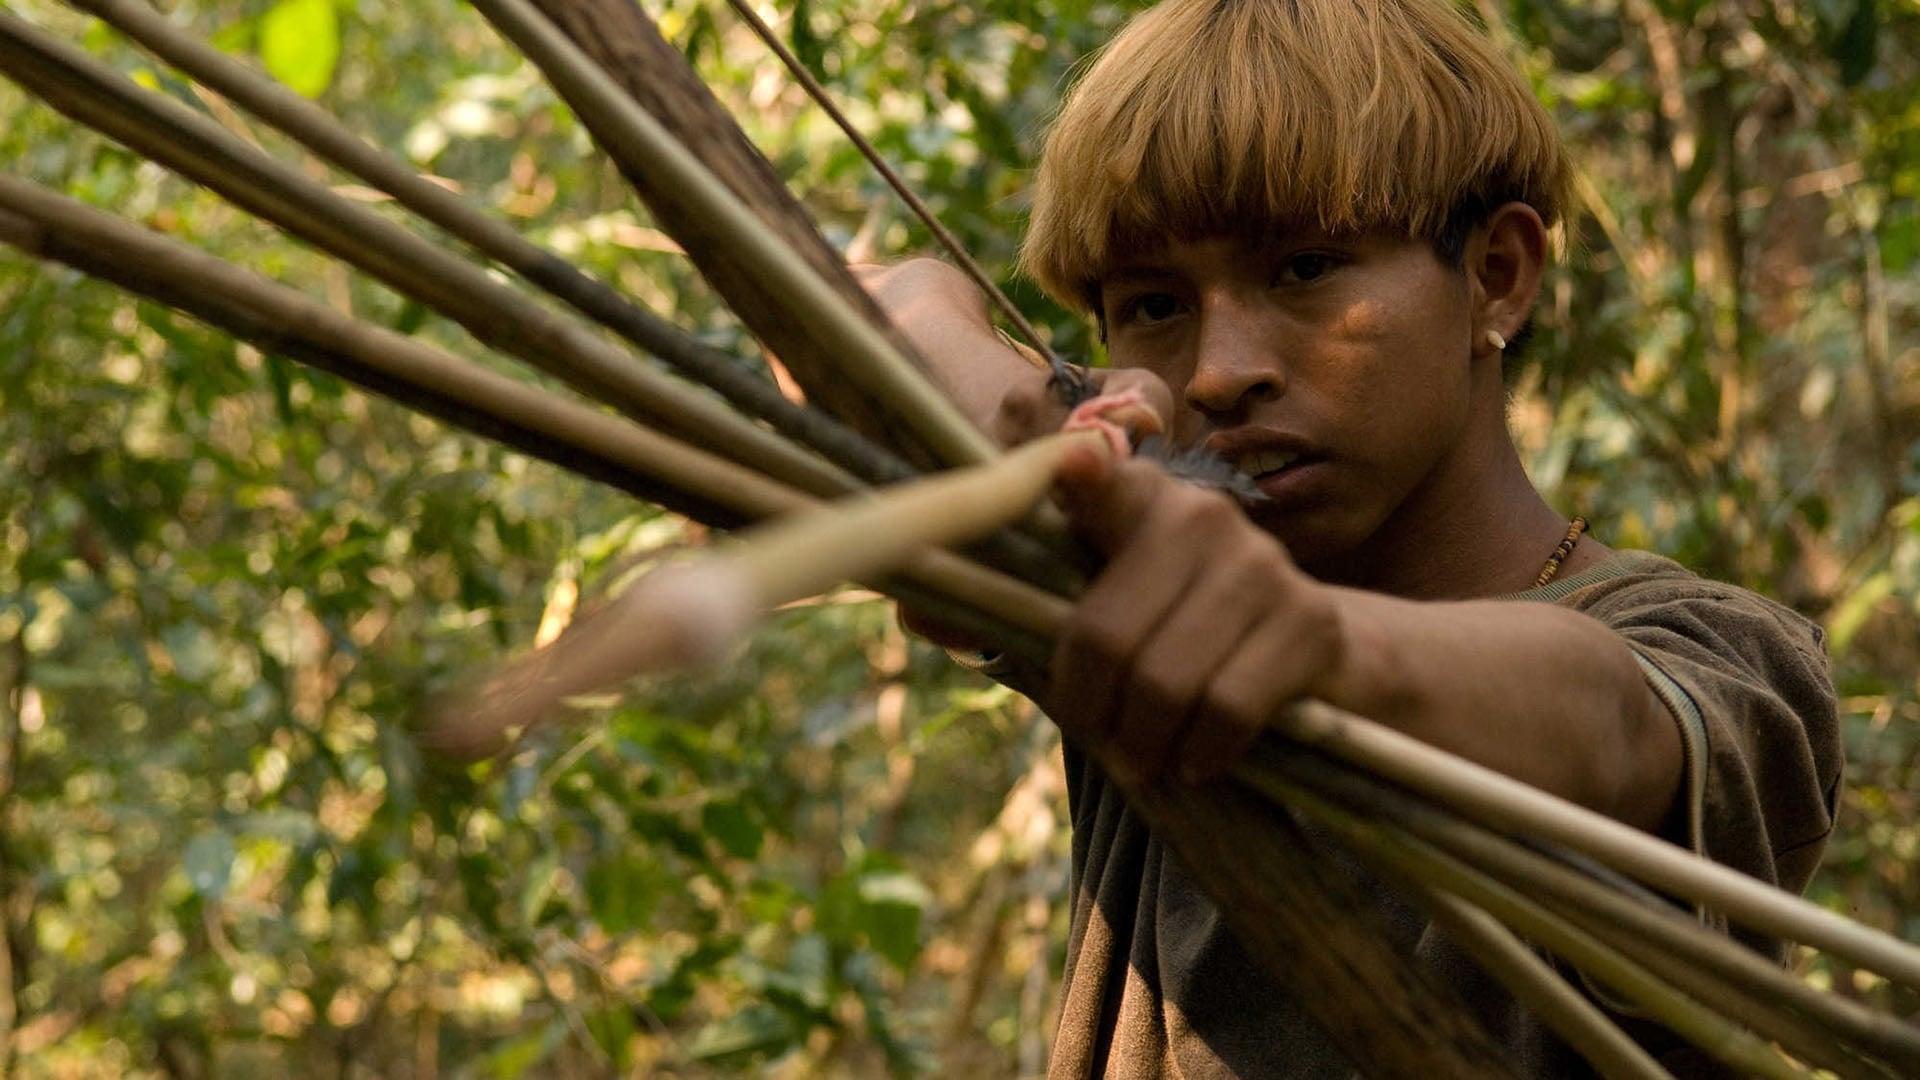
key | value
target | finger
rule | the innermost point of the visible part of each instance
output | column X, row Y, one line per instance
column 1148, row 418
column 921, row 625
column 1114, row 617
column 1165, row 694
column 1275, row 665
column 1107, row 501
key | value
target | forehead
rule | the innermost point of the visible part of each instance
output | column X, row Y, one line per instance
column 1178, row 256
column 1144, row 257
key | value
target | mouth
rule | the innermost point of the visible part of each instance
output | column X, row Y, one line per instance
column 1282, row 466
column 1259, row 464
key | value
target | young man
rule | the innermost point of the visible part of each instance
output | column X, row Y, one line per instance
column 1309, row 230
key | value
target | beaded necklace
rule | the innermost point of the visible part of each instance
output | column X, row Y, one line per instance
column 1574, row 530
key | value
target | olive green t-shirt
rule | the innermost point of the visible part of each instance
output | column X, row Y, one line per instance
column 1155, row 984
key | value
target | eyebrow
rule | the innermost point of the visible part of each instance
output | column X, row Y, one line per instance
column 1136, row 275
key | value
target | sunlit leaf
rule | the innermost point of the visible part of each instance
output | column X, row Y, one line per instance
column 300, row 44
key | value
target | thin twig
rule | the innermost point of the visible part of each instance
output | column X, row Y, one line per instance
column 634, row 136
column 1532, row 981
column 1071, row 378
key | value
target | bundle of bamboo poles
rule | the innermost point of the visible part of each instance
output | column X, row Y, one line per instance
column 886, row 482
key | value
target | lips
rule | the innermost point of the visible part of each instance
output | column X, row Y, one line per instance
column 1261, row 453
column 1257, row 463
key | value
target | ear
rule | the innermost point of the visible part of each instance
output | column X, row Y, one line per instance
column 1504, row 261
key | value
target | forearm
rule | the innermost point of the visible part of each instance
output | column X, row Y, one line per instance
column 1538, row 692
column 947, row 320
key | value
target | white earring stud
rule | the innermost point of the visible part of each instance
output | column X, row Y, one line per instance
column 1498, row 342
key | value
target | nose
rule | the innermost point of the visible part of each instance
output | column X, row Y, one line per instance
column 1235, row 365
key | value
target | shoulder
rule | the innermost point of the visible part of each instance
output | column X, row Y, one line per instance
column 1730, row 648
column 1638, row 589
column 1749, row 681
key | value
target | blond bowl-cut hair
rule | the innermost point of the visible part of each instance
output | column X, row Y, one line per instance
column 1242, row 117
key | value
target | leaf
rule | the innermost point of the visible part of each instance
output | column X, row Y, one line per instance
column 234, row 37
column 676, row 991
column 883, row 907
column 621, row 893
column 894, row 932
column 612, row 1029
column 300, row 44
column 896, row 889
column 806, row 44
column 542, row 877
column 208, row 861
column 1899, row 235
column 1858, row 42
column 513, row 1060
column 1852, row 612
column 758, row 1029
column 728, row 823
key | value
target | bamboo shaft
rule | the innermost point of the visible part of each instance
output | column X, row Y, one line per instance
column 1745, row 985
column 316, row 129
column 1808, row 1041
column 1406, row 856
column 1499, row 801
column 557, row 428
column 1532, row 981
column 167, row 132
column 633, row 135
column 620, row 37
column 865, row 534
column 696, row 612
column 907, row 195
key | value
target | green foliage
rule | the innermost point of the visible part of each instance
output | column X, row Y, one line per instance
column 300, row 44
column 226, row 582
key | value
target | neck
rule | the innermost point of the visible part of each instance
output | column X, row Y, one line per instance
column 1475, row 527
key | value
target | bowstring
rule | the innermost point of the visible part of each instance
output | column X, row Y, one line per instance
column 1068, row 381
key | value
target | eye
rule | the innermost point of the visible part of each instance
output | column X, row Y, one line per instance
column 1304, row 267
column 1148, row 309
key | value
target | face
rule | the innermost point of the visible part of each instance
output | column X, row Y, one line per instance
column 1336, row 371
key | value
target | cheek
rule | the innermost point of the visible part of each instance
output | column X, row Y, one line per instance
column 1395, row 359
column 1402, row 377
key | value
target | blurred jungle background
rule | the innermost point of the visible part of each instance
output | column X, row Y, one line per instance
column 224, row 580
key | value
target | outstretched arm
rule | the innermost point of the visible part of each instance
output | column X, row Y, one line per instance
column 1200, row 628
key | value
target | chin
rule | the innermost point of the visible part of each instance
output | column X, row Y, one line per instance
column 1314, row 536
column 1327, row 540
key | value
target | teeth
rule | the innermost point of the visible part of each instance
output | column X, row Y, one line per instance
column 1261, row 462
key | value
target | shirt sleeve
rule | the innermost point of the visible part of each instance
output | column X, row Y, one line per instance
column 1748, row 682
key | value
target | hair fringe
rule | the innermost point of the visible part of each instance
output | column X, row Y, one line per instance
column 1221, row 117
